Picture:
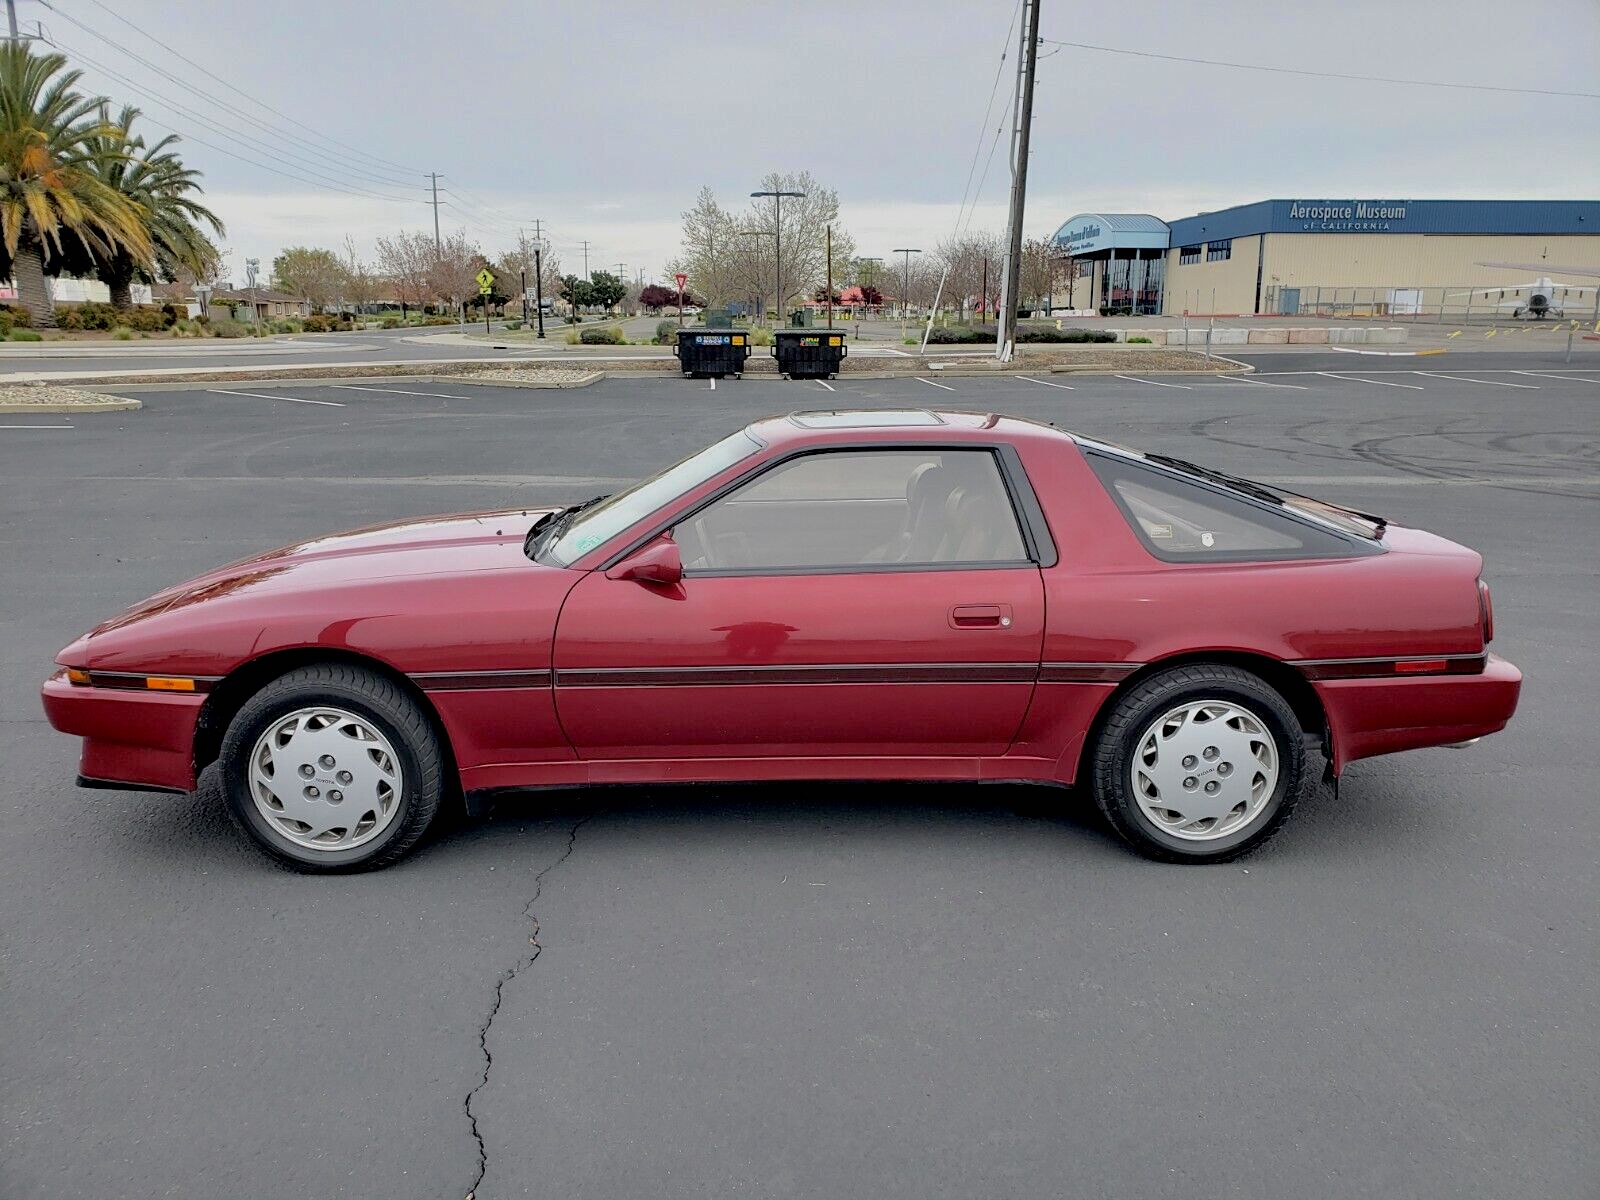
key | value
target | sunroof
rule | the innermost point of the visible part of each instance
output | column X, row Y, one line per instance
column 855, row 418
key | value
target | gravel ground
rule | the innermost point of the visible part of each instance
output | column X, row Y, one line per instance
column 546, row 376
column 49, row 398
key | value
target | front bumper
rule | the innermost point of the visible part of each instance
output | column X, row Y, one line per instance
column 1380, row 716
column 133, row 739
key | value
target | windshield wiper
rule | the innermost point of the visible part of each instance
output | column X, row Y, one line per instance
column 552, row 525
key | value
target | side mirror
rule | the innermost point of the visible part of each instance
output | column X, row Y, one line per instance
column 657, row 562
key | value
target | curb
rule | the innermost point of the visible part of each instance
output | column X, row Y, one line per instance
column 118, row 404
column 203, row 385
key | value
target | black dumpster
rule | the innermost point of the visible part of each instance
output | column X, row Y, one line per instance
column 808, row 353
column 712, row 352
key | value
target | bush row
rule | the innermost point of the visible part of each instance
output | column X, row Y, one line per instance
column 962, row 335
column 93, row 314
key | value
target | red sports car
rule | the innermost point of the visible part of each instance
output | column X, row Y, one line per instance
column 823, row 596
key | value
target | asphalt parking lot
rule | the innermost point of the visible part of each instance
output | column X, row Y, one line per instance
column 810, row 991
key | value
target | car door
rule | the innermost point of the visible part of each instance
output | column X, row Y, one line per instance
column 842, row 603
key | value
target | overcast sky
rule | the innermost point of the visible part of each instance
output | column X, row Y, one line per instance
column 603, row 120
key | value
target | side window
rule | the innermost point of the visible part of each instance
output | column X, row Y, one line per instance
column 859, row 509
column 1183, row 521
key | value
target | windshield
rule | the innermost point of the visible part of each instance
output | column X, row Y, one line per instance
column 591, row 526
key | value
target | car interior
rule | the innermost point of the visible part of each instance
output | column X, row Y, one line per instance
column 857, row 509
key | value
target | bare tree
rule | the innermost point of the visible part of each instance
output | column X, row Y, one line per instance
column 407, row 260
column 360, row 280
column 450, row 279
column 518, row 263
column 963, row 258
column 730, row 255
column 1039, row 270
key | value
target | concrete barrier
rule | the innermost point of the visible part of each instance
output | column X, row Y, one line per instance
column 1391, row 336
column 1308, row 337
column 1229, row 337
column 1268, row 337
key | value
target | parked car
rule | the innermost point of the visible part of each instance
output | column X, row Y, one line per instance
column 823, row 596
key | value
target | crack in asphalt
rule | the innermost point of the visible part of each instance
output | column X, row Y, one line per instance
column 506, row 977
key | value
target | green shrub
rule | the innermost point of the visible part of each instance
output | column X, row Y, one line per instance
column 439, row 319
column 570, row 337
column 391, row 322
column 602, row 337
column 1139, row 337
column 92, row 314
column 6, row 324
column 761, row 336
column 513, row 325
column 959, row 335
column 227, row 327
column 122, row 333
column 26, row 335
column 666, row 333
column 18, row 317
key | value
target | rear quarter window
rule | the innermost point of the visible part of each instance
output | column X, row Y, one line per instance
column 1182, row 520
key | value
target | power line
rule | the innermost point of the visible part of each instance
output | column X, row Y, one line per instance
column 994, row 89
column 291, row 171
column 217, row 124
column 1213, row 62
column 230, row 86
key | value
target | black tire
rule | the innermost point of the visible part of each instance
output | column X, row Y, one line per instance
column 372, row 698
column 1132, row 715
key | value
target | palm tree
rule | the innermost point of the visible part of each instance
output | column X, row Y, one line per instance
column 155, row 178
column 47, row 186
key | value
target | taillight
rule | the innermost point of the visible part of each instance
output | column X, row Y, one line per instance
column 1485, row 612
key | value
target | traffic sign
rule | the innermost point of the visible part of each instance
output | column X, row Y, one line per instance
column 682, row 279
column 485, row 281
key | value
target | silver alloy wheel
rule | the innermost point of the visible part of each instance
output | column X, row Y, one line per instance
column 1204, row 770
column 325, row 779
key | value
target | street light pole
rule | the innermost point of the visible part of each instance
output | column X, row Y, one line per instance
column 905, row 290
column 756, row 274
column 778, row 251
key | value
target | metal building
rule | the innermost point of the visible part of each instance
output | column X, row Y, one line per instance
column 1326, row 257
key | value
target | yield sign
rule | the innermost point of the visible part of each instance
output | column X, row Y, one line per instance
column 682, row 279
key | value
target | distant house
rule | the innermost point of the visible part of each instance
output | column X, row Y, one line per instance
column 269, row 305
column 66, row 290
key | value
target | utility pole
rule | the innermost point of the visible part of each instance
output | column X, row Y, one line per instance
column 1006, row 326
column 251, row 266
column 438, row 250
column 586, row 274
column 983, row 298
column 777, row 225
column 11, row 16
column 905, row 290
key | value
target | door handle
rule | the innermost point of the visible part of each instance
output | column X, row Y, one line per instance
column 980, row 616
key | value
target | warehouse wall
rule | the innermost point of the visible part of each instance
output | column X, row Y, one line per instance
column 1418, row 260
column 1234, row 281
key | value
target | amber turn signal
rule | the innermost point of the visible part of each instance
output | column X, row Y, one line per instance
column 78, row 676
column 164, row 683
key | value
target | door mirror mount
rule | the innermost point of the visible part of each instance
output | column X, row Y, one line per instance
column 656, row 562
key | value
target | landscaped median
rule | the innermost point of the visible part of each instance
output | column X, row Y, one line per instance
column 49, row 398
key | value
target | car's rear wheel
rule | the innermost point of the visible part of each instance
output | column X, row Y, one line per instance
column 1198, row 764
column 332, row 768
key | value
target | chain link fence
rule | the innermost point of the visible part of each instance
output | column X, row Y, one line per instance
column 1460, row 305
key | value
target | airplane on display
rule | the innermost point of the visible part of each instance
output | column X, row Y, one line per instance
column 1538, row 298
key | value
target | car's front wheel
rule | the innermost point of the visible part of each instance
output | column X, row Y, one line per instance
column 332, row 768
column 1198, row 764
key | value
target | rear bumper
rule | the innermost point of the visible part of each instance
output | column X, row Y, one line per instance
column 133, row 739
column 1380, row 716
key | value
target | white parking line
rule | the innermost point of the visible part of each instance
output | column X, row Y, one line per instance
column 713, row 382
column 35, row 426
column 350, row 387
column 1153, row 382
column 1263, row 383
column 931, row 383
column 1415, row 387
column 826, row 384
column 1044, row 383
column 264, row 396
column 1490, row 382
column 1547, row 375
